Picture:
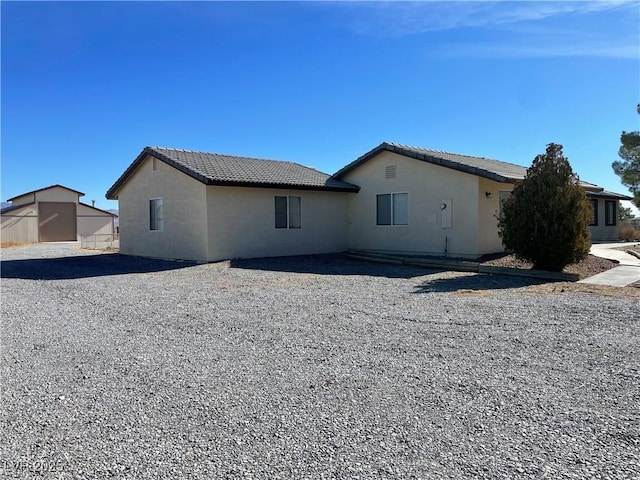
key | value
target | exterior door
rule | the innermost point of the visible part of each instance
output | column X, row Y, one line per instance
column 57, row 221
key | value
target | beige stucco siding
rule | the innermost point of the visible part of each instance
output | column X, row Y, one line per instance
column 488, row 210
column 20, row 225
column 184, row 204
column 602, row 232
column 241, row 223
column 427, row 186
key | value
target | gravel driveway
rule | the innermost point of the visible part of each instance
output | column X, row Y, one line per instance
column 117, row 367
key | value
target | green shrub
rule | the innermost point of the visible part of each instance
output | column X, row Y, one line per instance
column 545, row 219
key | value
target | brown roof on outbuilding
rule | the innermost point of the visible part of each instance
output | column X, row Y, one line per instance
column 232, row 170
column 12, row 208
column 80, row 194
column 98, row 209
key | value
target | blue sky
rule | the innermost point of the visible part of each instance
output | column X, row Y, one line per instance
column 86, row 85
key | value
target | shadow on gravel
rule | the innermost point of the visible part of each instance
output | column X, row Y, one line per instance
column 330, row 264
column 66, row 268
column 339, row 264
column 478, row 282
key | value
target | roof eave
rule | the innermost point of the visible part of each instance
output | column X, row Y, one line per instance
column 384, row 146
column 112, row 193
column 609, row 195
column 98, row 209
column 15, row 207
column 360, row 160
column 285, row 186
column 57, row 185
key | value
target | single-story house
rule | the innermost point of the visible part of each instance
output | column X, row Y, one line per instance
column 52, row 214
column 206, row 207
column 446, row 203
column 199, row 206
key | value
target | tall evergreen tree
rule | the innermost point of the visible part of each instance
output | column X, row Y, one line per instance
column 545, row 219
column 628, row 169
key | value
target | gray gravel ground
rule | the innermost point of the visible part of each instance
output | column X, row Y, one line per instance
column 117, row 367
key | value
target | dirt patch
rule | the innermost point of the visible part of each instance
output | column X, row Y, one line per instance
column 12, row 244
column 571, row 288
column 632, row 249
column 588, row 267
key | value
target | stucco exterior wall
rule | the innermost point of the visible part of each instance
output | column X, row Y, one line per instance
column 184, row 203
column 241, row 223
column 20, row 225
column 428, row 186
column 488, row 211
column 602, row 232
column 93, row 222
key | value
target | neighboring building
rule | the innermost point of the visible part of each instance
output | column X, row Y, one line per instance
column 604, row 222
column 207, row 207
column 52, row 214
column 199, row 206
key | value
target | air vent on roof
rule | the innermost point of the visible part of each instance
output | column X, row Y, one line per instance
column 390, row 171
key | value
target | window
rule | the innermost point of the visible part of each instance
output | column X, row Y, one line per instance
column 288, row 212
column 610, row 212
column 156, row 214
column 392, row 209
column 594, row 213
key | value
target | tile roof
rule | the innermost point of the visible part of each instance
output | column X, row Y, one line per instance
column 231, row 170
column 483, row 167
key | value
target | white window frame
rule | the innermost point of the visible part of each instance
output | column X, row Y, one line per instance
column 156, row 224
column 288, row 213
column 392, row 210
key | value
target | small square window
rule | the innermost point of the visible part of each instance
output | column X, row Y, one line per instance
column 392, row 209
column 288, row 212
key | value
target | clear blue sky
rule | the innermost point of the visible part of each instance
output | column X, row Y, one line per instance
column 85, row 86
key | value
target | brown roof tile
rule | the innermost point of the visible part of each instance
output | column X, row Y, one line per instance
column 232, row 170
column 483, row 167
